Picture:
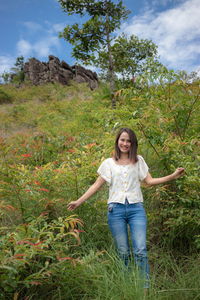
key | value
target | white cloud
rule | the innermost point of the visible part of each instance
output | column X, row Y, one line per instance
column 54, row 28
column 6, row 62
column 90, row 67
column 41, row 40
column 24, row 48
column 44, row 47
column 32, row 26
column 41, row 48
column 198, row 71
column 58, row 27
column 176, row 31
column 165, row 2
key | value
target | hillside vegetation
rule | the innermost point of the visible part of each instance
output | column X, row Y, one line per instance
column 53, row 138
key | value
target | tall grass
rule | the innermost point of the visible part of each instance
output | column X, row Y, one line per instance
column 107, row 279
column 101, row 276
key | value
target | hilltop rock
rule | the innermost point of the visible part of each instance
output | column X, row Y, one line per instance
column 55, row 71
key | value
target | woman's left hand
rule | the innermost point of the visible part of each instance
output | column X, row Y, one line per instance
column 178, row 173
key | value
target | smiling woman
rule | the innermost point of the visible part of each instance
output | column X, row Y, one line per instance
column 124, row 140
column 124, row 173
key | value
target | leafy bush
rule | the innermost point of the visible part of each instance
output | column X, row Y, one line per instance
column 4, row 97
column 30, row 252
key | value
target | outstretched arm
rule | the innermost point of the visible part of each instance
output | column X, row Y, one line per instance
column 153, row 181
column 92, row 190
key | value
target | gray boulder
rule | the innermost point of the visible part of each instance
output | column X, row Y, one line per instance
column 55, row 71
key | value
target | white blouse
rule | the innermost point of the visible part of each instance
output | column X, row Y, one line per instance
column 124, row 180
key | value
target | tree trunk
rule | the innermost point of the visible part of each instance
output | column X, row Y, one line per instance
column 110, row 67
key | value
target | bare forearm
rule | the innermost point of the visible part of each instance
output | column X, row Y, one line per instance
column 91, row 191
column 155, row 181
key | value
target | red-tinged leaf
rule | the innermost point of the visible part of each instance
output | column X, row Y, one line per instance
column 43, row 189
column 3, row 182
column 23, row 144
column 58, row 171
column 79, row 221
column 19, row 256
column 71, row 150
column 89, row 146
column 27, row 190
column 71, row 139
column 45, row 213
column 39, row 243
column 38, row 168
column 26, row 155
column 64, row 258
column 37, row 182
column 35, row 282
column 22, row 242
column 25, row 224
column 8, row 207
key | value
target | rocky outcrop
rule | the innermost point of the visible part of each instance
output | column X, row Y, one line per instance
column 55, row 71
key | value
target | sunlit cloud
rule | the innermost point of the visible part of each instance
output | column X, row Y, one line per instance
column 41, row 48
column 58, row 27
column 176, row 31
column 42, row 45
column 33, row 26
column 155, row 3
column 6, row 62
column 24, row 48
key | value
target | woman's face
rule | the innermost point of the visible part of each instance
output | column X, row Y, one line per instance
column 124, row 142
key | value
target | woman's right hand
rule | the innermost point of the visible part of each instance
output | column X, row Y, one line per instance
column 73, row 205
column 98, row 183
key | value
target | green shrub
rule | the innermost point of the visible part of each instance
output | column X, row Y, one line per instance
column 4, row 97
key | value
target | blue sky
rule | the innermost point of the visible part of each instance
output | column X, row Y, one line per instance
column 30, row 28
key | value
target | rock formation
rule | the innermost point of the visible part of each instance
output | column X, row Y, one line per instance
column 55, row 71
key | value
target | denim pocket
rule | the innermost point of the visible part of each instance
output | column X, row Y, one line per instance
column 111, row 206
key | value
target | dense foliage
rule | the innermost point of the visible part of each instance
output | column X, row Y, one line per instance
column 131, row 57
column 53, row 139
column 95, row 34
column 16, row 74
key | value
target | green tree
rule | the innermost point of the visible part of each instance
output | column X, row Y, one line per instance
column 6, row 76
column 19, row 64
column 131, row 56
column 18, row 70
column 96, row 33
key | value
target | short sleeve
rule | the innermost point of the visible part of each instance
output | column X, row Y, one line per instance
column 143, row 168
column 105, row 171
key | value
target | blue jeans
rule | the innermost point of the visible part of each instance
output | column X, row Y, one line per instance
column 119, row 217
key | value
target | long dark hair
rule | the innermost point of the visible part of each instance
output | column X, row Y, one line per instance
column 134, row 145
